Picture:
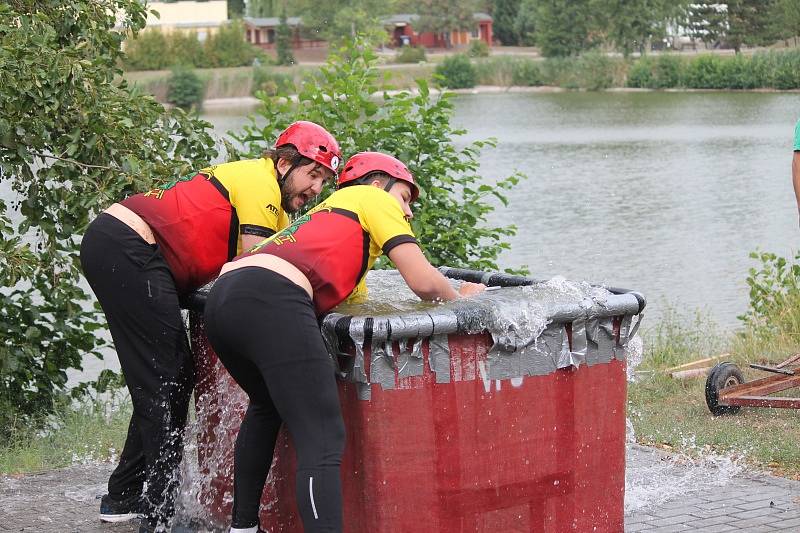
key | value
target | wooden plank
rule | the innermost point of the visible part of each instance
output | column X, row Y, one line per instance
column 697, row 364
column 793, row 359
column 690, row 373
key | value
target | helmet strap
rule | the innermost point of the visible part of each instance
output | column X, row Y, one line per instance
column 389, row 184
column 282, row 179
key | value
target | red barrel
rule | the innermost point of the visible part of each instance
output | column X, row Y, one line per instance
column 541, row 453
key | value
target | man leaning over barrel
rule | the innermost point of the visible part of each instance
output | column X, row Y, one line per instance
column 144, row 254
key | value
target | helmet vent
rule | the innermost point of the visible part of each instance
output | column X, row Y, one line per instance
column 322, row 149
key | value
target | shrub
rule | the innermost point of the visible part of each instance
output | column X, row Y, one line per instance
column 478, row 48
column 496, row 70
column 146, row 51
column 457, row 72
column 774, row 297
column 640, row 74
column 283, row 42
column 787, row 70
column 184, row 88
column 228, row 47
column 559, row 72
column 526, row 72
column 704, row 72
column 185, row 49
column 410, row 54
column 272, row 83
column 736, row 73
column 594, row 71
column 663, row 72
column 667, row 72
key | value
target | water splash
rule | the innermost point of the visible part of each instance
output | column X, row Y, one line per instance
column 634, row 352
column 655, row 483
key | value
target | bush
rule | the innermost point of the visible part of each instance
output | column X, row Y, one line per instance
column 228, row 47
column 787, row 70
column 594, row 71
column 410, row 54
column 496, row 70
column 272, row 83
column 526, row 73
column 478, row 48
column 662, row 72
column 457, row 72
column 146, row 51
column 667, row 72
column 640, row 74
column 774, row 297
column 185, row 49
column 184, row 88
column 704, row 72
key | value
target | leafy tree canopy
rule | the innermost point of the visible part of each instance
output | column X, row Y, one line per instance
column 73, row 139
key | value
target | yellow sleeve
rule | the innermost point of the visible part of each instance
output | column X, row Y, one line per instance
column 254, row 193
column 382, row 217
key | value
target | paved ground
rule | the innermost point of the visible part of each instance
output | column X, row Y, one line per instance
column 665, row 495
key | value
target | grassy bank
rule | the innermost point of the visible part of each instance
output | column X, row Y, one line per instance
column 238, row 82
column 93, row 431
column 672, row 413
column 778, row 70
column 773, row 69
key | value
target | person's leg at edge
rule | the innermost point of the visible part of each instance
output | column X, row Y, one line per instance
column 270, row 321
column 258, row 432
column 137, row 293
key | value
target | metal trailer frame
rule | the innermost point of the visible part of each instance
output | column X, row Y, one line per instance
column 756, row 393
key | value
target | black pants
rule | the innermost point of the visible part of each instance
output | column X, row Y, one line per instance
column 262, row 327
column 135, row 287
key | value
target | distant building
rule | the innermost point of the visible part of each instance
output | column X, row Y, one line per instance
column 262, row 32
column 401, row 29
column 202, row 18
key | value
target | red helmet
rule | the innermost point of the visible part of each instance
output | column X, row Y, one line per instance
column 312, row 141
column 364, row 163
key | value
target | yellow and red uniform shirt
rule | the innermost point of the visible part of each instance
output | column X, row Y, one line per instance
column 197, row 219
column 338, row 241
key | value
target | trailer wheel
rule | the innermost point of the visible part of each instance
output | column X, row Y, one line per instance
column 721, row 376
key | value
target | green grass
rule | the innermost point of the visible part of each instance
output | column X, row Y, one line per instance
column 672, row 413
column 238, row 81
column 94, row 431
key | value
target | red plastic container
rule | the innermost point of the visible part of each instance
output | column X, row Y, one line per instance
column 541, row 453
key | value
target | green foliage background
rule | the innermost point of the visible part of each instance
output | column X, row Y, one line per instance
column 154, row 50
column 457, row 72
column 72, row 141
column 451, row 217
column 185, row 89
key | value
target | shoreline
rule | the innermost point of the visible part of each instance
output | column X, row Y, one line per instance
column 252, row 101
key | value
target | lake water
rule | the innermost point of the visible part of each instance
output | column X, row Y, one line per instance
column 665, row 193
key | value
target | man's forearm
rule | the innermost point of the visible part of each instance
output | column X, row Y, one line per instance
column 796, row 177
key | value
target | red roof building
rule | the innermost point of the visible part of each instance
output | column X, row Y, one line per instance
column 402, row 32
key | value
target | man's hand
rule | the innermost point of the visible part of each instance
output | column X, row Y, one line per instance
column 469, row 289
